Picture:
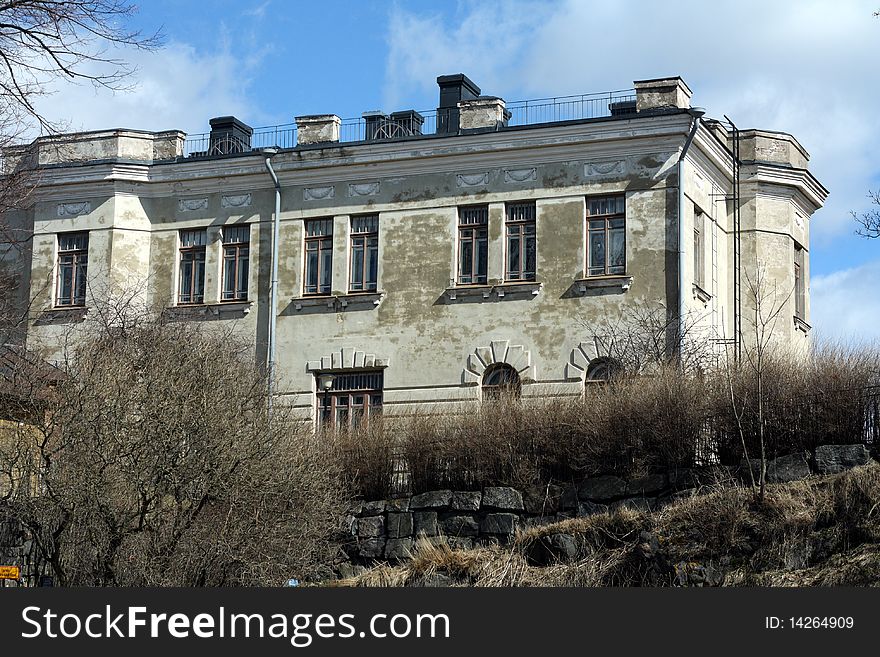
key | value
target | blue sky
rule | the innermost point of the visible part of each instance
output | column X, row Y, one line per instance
column 805, row 67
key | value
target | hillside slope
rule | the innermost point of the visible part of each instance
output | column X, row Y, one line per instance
column 816, row 532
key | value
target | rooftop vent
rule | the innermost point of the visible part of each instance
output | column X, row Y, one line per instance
column 229, row 135
column 453, row 89
column 378, row 125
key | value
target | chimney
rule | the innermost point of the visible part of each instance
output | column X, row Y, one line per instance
column 453, row 90
column 317, row 129
column 662, row 93
column 229, row 135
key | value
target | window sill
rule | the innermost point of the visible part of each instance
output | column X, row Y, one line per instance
column 61, row 315
column 339, row 301
column 499, row 290
column 701, row 295
column 209, row 310
column 620, row 282
column 801, row 325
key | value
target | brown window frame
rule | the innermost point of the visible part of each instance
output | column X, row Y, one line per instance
column 236, row 253
column 319, row 242
column 473, row 230
column 364, row 238
column 608, row 219
column 189, row 258
column 349, row 386
column 800, row 288
column 76, row 261
column 699, row 248
column 519, row 218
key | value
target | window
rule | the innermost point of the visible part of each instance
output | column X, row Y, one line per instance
column 192, row 266
column 236, row 250
column 364, row 253
column 501, row 380
column 606, row 224
column 699, row 247
column 73, row 261
column 799, row 287
column 602, row 370
column 521, row 244
column 319, row 256
column 351, row 400
column 473, row 244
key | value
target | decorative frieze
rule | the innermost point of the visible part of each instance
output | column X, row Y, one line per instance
column 606, row 168
column 74, row 209
column 520, row 175
column 235, row 200
column 472, row 179
column 319, row 193
column 363, row 189
column 192, row 204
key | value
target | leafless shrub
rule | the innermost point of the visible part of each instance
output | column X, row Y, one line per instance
column 157, row 464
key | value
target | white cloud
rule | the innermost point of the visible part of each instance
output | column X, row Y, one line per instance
column 176, row 87
column 845, row 304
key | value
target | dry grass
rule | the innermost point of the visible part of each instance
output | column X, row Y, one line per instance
column 630, row 427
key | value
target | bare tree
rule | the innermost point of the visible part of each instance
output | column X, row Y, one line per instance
column 746, row 380
column 869, row 221
column 152, row 461
column 44, row 40
column 645, row 337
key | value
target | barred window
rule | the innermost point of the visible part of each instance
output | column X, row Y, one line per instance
column 364, row 269
column 319, row 256
column 521, row 242
column 191, row 288
column 236, row 262
column 351, row 400
column 606, row 235
column 73, row 261
column 473, row 244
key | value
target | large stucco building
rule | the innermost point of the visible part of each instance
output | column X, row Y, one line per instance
column 424, row 257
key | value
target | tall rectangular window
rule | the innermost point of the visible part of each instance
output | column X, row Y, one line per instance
column 73, row 261
column 606, row 235
column 319, row 256
column 236, row 262
column 699, row 248
column 192, row 266
column 521, row 242
column 364, row 253
column 799, row 285
column 473, row 244
column 351, row 400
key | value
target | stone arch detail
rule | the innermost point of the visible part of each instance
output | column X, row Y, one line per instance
column 499, row 351
column 346, row 358
column 581, row 357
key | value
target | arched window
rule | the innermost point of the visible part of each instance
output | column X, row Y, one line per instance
column 501, row 380
column 601, row 371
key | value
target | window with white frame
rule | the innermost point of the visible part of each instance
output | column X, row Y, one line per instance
column 73, row 261
column 191, row 282
column 236, row 263
column 606, row 235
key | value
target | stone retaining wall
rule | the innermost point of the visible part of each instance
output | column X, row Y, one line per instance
column 386, row 530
